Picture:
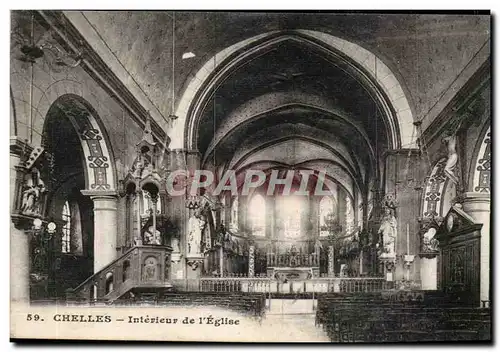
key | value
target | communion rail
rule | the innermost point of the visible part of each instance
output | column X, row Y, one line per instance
column 271, row 285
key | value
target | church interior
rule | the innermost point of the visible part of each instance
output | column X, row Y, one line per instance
column 394, row 110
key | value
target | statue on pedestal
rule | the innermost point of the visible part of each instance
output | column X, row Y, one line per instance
column 196, row 225
column 388, row 230
column 32, row 194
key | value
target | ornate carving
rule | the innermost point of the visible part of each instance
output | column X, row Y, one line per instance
column 331, row 254
column 483, row 166
column 194, row 263
column 96, row 160
column 434, row 189
column 429, row 245
column 150, row 270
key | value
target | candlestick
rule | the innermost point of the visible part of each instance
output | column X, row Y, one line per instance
column 407, row 238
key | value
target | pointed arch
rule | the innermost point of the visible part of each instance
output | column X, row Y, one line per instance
column 257, row 215
column 481, row 172
column 99, row 163
column 363, row 63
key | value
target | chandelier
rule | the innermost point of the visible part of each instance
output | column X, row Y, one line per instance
column 410, row 180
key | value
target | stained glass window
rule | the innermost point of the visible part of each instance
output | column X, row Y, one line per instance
column 326, row 213
column 257, row 215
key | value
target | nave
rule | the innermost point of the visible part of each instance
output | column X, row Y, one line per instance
column 246, row 158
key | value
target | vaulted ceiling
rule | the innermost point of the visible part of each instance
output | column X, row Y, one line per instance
column 427, row 52
column 289, row 97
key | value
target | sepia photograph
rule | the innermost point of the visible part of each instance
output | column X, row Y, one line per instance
column 251, row 176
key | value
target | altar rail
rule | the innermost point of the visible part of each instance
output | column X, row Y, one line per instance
column 270, row 285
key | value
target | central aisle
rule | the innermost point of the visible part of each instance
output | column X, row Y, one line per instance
column 294, row 321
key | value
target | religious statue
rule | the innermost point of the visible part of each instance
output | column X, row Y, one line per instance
column 152, row 237
column 175, row 245
column 317, row 246
column 451, row 141
column 150, row 265
column 220, row 233
column 142, row 163
column 429, row 243
column 31, row 196
column 388, row 229
column 196, row 226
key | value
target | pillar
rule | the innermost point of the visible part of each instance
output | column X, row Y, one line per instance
column 105, row 227
column 331, row 261
column 401, row 176
column 428, row 272
column 251, row 261
column 477, row 205
column 19, row 240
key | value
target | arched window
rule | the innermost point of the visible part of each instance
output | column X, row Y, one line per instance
column 349, row 215
column 257, row 215
column 233, row 225
column 291, row 211
column 327, row 214
column 66, row 236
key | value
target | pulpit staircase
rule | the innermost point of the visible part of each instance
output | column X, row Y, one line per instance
column 141, row 271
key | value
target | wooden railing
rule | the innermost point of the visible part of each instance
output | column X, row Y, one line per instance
column 140, row 267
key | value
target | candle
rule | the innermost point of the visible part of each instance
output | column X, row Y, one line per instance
column 407, row 238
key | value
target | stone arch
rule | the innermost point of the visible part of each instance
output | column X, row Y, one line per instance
column 99, row 168
column 367, row 65
column 433, row 191
column 263, row 105
column 13, row 115
column 480, row 176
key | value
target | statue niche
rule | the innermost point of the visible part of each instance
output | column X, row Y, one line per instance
column 33, row 190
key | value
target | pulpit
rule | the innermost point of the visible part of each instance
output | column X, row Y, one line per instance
column 459, row 240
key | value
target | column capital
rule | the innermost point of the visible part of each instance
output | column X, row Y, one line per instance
column 19, row 147
column 99, row 194
column 473, row 202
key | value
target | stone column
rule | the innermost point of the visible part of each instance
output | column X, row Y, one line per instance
column 105, row 227
column 19, row 240
column 477, row 205
column 251, row 261
column 331, row 261
column 428, row 272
